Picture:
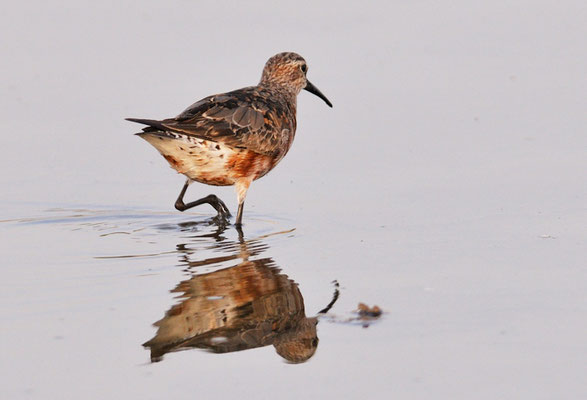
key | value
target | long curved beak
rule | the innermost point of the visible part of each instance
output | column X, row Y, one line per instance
column 314, row 90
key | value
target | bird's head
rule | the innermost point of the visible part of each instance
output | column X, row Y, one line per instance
column 288, row 71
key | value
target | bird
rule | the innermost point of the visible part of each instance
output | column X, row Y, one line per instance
column 234, row 138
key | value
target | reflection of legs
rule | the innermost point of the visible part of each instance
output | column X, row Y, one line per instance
column 334, row 298
column 211, row 199
column 242, row 185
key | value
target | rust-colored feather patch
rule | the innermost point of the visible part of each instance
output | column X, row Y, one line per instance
column 247, row 163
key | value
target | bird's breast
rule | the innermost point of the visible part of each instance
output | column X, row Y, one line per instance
column 248, row 164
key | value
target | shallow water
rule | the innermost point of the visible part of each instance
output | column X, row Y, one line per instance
column 87, row 285
column 446, row 186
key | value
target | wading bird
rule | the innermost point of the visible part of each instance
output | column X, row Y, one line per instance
column 234, row 138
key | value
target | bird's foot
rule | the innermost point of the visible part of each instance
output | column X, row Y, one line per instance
column 219, row 205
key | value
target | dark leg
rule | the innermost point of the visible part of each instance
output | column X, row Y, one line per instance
column 211, row 199
column 239, row 215
column 241, row 235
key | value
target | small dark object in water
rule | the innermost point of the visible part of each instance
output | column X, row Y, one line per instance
column 365, row 311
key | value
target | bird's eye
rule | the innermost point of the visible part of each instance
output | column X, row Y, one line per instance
column 304, row 68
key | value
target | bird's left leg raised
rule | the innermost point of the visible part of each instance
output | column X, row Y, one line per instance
column 211, row 199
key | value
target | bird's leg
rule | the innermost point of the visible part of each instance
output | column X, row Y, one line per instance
column 211, row 199
column 241, row 235
column 242, row 185
column 239, row 214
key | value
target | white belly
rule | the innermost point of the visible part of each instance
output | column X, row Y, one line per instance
column 201, row 160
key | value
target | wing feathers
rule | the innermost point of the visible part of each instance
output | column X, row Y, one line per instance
column 241, row 119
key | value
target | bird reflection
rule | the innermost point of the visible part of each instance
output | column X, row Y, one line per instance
column 244, row 306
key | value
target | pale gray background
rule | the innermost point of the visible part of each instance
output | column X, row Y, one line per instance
column 448, row 185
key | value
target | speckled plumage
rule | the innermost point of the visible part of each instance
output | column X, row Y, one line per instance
column 236, row 137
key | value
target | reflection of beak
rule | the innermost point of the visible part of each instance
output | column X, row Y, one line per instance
column 314, row 90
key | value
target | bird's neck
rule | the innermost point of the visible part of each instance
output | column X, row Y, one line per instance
column 287, row 95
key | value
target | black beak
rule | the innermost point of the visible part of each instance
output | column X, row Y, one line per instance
column 314, row 90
